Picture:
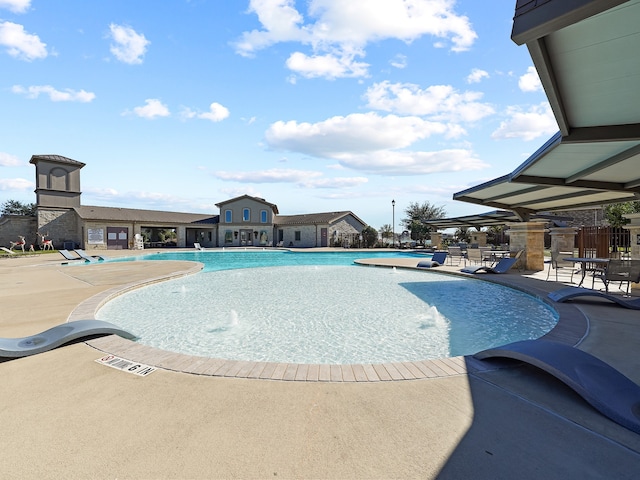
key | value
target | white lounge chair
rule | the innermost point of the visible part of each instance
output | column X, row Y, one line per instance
column 68, row 256
column 197, row 246
column 88, row 258
column 5, row 249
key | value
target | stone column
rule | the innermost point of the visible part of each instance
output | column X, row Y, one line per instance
column 478, row 237
column 634, row 230
column 563, row 239
column 530, row 237
column 181, row 234
column 436, row 240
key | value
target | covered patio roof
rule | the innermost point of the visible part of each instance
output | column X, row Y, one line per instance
column 488, row 219
column 587, row 54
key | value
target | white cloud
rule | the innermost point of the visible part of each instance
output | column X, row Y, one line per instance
column 399, row 61
column 328, row 66
column 15, row 6
column 530, row 81
column 337, row 28
column 154, row 108
column 372, row 143
column 67, row 95
column 302, row 178
column 20, row 44
column 275, row 175
column 477, row 75
column 359, row 132
column 402, row 163
column 334, row 183
column 16, row 184
column 439, row 102
column 128, row 46
column 527, row 125
column 216, row 113
column 155, row 200
column 8, row 160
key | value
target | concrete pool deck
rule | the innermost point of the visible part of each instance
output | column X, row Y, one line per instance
column 65, row 415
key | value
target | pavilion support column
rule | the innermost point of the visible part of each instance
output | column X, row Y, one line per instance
column 436, row 240
column 563, row 239
column 181, row 234
column 530, row 237
column 634, row 230
column 479, row 237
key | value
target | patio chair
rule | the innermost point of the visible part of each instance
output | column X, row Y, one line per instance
column 568, row 293
column 87, row 257
column 455, row 253
column 623, row 271
column 503, row 266
column 474, row 255
column 197, row 246
column 557, row 263
column 437, row 259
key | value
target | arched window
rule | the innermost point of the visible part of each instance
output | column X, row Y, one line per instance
column 58, row 179
column 246, row 214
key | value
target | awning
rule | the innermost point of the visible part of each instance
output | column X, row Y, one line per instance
column 587, row 54
column 488, row 219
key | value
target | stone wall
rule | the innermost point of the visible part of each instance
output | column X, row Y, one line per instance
column 60, row 226
column 12, row 226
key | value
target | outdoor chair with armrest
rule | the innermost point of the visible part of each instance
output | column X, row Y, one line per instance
column 455, row 253
column 474, row 255
column 623, row 271
column 558, row 263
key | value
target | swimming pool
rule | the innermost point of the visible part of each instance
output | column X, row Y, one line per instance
column 320, row 308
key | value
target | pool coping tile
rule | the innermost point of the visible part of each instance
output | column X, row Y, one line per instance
column 572, row 327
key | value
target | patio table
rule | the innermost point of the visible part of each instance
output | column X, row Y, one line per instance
column 494, row 255
column 599, row 264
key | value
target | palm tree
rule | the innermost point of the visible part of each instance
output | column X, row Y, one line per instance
column 385, row 232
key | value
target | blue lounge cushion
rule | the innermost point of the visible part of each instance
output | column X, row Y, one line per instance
column 604, row 387
column 567, row 293
column 57, row 336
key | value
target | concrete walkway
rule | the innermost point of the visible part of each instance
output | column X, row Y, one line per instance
column 66, row 416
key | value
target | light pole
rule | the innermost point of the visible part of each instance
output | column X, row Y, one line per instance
column 393, row 223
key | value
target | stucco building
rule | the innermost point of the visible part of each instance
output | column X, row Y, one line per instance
column 242, row 221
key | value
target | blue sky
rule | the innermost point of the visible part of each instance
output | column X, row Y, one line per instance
column 315, row 105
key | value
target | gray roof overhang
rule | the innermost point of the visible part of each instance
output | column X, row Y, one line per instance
column 488, row 219
column 587, row 54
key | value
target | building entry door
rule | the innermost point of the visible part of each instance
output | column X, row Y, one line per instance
column 323, row 237
column 117, row 238
column 246, row 237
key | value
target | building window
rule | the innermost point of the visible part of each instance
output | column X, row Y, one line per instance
column 228, row 236
column 228, row 216
column 263, row 216
column 297, row 235
column 246, row 214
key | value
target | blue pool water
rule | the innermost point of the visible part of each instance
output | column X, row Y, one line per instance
column 320, row 308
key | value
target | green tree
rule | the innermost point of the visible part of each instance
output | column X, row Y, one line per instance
column 462, row 234
column 613, row 212
column 15, row 207
column 417, row 214
column 369, row 236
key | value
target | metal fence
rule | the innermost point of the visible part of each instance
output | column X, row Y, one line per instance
column 603, row 242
